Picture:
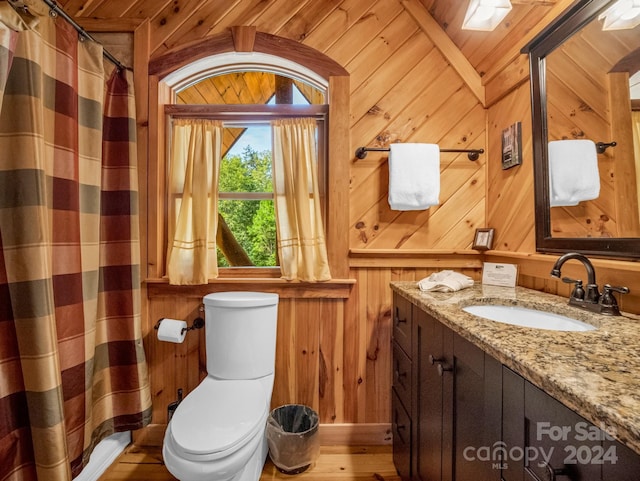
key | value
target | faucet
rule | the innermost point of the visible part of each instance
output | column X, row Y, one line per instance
column 591, row 298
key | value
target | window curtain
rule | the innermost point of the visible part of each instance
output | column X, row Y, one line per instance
column 72, row 364
column 301, row 243
column 193, row 192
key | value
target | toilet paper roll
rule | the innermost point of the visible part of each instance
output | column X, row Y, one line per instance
column 172, row 330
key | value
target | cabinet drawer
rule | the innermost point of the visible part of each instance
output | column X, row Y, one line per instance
column 402, row 375
column 402, row 322
column 401, row 428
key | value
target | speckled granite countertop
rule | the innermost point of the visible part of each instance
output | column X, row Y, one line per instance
column 595, row 373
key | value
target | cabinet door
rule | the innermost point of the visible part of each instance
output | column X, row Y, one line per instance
column 619, row 463
column 429, row 398
column 513, row 429
column 557, row 439
column 401, row 427
column 402, row 310
column 477, row 412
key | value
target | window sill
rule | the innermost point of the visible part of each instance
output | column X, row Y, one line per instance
column 333, row 289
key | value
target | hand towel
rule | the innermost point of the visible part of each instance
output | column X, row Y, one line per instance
column 414, row 176
column 445, row 281
column 573, row 172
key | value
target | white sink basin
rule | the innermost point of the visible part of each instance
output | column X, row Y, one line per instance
column 525, row 317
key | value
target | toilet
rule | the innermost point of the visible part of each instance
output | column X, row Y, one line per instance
column 217, row 433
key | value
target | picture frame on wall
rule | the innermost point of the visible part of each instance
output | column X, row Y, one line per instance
column 483, row 240
column 512, row 146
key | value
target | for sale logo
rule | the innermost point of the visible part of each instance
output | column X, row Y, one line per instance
column 576, row 445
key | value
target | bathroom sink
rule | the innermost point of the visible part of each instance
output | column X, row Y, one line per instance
column 525, row 317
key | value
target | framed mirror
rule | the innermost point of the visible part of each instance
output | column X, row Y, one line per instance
column 584, row 87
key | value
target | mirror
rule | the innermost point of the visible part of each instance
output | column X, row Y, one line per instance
column 583, row 83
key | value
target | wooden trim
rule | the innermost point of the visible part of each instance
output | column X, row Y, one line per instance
column 446, row 46
column 244, row 38
column 141, row 52
column 264, row 43
column 338, row 176
column 539, row 265
column 418, row 258
column 333, row 289
column 244, row 111
column 359, row 434
column 355, row 434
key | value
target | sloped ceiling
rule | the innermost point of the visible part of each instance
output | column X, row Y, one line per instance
column 175, row 22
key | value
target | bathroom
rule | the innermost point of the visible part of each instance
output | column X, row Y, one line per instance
column 412, row 76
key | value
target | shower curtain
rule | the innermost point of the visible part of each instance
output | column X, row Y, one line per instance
column 72, row 365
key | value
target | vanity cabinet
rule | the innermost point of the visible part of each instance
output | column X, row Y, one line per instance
column 543, row 438
column 556, row 441
column 452, row 407
column 403, row 382
column 465, row 417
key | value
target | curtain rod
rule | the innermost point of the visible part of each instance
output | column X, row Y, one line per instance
column 83, row 33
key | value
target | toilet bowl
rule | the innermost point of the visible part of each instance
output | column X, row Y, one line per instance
column 217, row 433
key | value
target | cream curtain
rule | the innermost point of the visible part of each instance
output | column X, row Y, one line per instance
column 193, row 193
column 301, row 242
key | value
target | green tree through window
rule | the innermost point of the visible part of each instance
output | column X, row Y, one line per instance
column 246, row 204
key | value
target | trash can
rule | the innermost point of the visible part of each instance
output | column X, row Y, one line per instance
column 292, row 434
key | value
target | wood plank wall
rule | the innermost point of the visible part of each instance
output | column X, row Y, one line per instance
column 334, row 354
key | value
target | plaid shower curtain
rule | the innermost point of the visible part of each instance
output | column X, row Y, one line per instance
column 72, row 365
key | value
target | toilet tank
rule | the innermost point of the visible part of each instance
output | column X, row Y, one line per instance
column 240, row 334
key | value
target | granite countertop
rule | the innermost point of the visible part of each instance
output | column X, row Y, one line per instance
column 595, row 373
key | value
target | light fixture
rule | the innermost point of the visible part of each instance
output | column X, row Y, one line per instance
column 485, row 14
column 624, row 14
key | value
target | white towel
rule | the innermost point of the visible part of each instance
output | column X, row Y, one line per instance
column 414, row 176
column 573, row 172
column 445, row 281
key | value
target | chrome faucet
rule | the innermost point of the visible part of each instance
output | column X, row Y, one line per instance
column 591, row 298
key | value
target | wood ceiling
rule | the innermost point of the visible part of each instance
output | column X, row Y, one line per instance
column 175, row 22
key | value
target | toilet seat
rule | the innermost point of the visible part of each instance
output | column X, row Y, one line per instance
column 218, row 418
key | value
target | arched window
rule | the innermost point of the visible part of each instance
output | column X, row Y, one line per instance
column 246, row 89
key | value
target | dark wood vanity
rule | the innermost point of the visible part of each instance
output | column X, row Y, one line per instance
column 461, row 415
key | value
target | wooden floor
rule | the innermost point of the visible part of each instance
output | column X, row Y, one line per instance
column 339, row 463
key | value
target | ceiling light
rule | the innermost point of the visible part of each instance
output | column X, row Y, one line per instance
column 486, row 14
column 624, row 14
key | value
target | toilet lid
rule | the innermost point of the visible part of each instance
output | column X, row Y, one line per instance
column 219, row 415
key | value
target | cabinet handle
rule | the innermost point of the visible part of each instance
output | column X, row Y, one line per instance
column 550, row 472
column 441, row 362
column 400, row 375
column 435, row 360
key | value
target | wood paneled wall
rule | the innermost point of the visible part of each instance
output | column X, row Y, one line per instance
column 335, row 353
column 331, row 354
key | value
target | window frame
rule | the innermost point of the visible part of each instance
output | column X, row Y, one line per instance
column 238, row 113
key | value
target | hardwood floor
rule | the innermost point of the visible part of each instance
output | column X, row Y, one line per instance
column 339, row 463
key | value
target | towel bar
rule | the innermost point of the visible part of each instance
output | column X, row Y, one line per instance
column 473, row 154
column 602, row 146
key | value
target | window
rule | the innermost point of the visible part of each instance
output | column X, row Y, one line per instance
column 246, row 102
column 245, row 200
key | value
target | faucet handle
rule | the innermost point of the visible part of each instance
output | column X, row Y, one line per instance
column 608, row 302
column 578, row 290
column 620, row 289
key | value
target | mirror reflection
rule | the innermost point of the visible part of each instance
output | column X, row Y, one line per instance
column 592, row 96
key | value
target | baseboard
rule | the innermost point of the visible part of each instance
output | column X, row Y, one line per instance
column 103, row 455
column 348, row 434
column 355, row 434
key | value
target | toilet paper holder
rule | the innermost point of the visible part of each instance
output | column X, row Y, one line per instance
column 198, row 323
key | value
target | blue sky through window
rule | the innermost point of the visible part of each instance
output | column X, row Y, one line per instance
column 259, row 136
